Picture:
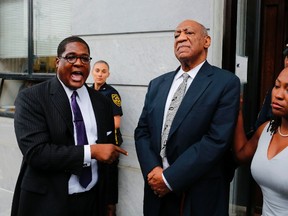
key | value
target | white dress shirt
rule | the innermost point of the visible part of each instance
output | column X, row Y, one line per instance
column 87, row 111
column 176, row 82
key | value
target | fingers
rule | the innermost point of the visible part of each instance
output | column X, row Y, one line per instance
column 149, row 176
column 114, row 153
column 122, row 151
column 106, row 153
column 161, row 192
column 156, row 182
column 154, row 174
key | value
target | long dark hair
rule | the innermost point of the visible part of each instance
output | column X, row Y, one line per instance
column 274, row 124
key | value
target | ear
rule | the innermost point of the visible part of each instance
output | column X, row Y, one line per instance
column 207, row 41
column 286, row 61
column 57, row 62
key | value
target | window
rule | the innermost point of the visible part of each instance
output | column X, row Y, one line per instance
column 13, row 35
column 51, row 23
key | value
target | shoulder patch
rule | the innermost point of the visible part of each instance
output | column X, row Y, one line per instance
column 116, row 99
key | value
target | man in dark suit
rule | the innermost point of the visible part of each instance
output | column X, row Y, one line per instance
column 48, row 137
column 191, row 177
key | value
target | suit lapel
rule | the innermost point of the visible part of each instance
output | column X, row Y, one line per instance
column 160, row 102
column 61, row 102
column 196, row 89
column 57, row 94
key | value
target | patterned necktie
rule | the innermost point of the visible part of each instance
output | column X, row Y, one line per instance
column 86, row 174
column 174, row 105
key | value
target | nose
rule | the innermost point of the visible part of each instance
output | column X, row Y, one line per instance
column 182, row 36
column 78, row 61
column 279, row 93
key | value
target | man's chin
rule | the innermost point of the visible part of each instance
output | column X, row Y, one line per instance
column 183, row 58
column 182, row 55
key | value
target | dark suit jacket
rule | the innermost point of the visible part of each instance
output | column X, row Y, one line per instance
column 44, row 130
column 198, row 140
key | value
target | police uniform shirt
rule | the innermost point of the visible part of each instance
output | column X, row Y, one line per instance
column 114, row 96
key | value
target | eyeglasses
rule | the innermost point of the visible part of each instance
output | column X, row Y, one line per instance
column 73, row 58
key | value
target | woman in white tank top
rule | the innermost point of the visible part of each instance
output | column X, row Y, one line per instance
column 268, row 151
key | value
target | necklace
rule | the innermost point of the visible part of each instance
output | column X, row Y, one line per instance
column 279, row 131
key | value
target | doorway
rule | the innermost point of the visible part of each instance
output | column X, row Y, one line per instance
column 261, row 32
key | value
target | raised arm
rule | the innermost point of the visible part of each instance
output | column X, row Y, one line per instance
column 243, row 148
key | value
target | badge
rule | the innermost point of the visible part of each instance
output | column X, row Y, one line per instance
column 116, row 99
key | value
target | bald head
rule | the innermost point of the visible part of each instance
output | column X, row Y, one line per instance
column 193, row 23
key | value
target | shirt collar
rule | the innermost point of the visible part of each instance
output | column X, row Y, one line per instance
column 80, row 91
column 103, row 87
column 192, row 73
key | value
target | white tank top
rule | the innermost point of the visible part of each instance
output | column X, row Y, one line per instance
column 272, row 176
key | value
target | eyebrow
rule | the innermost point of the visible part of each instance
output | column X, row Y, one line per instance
column 284, row 83
column 74, row 54
column 184, row 29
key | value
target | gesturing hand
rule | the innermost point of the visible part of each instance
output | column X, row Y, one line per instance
column 106, row 153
